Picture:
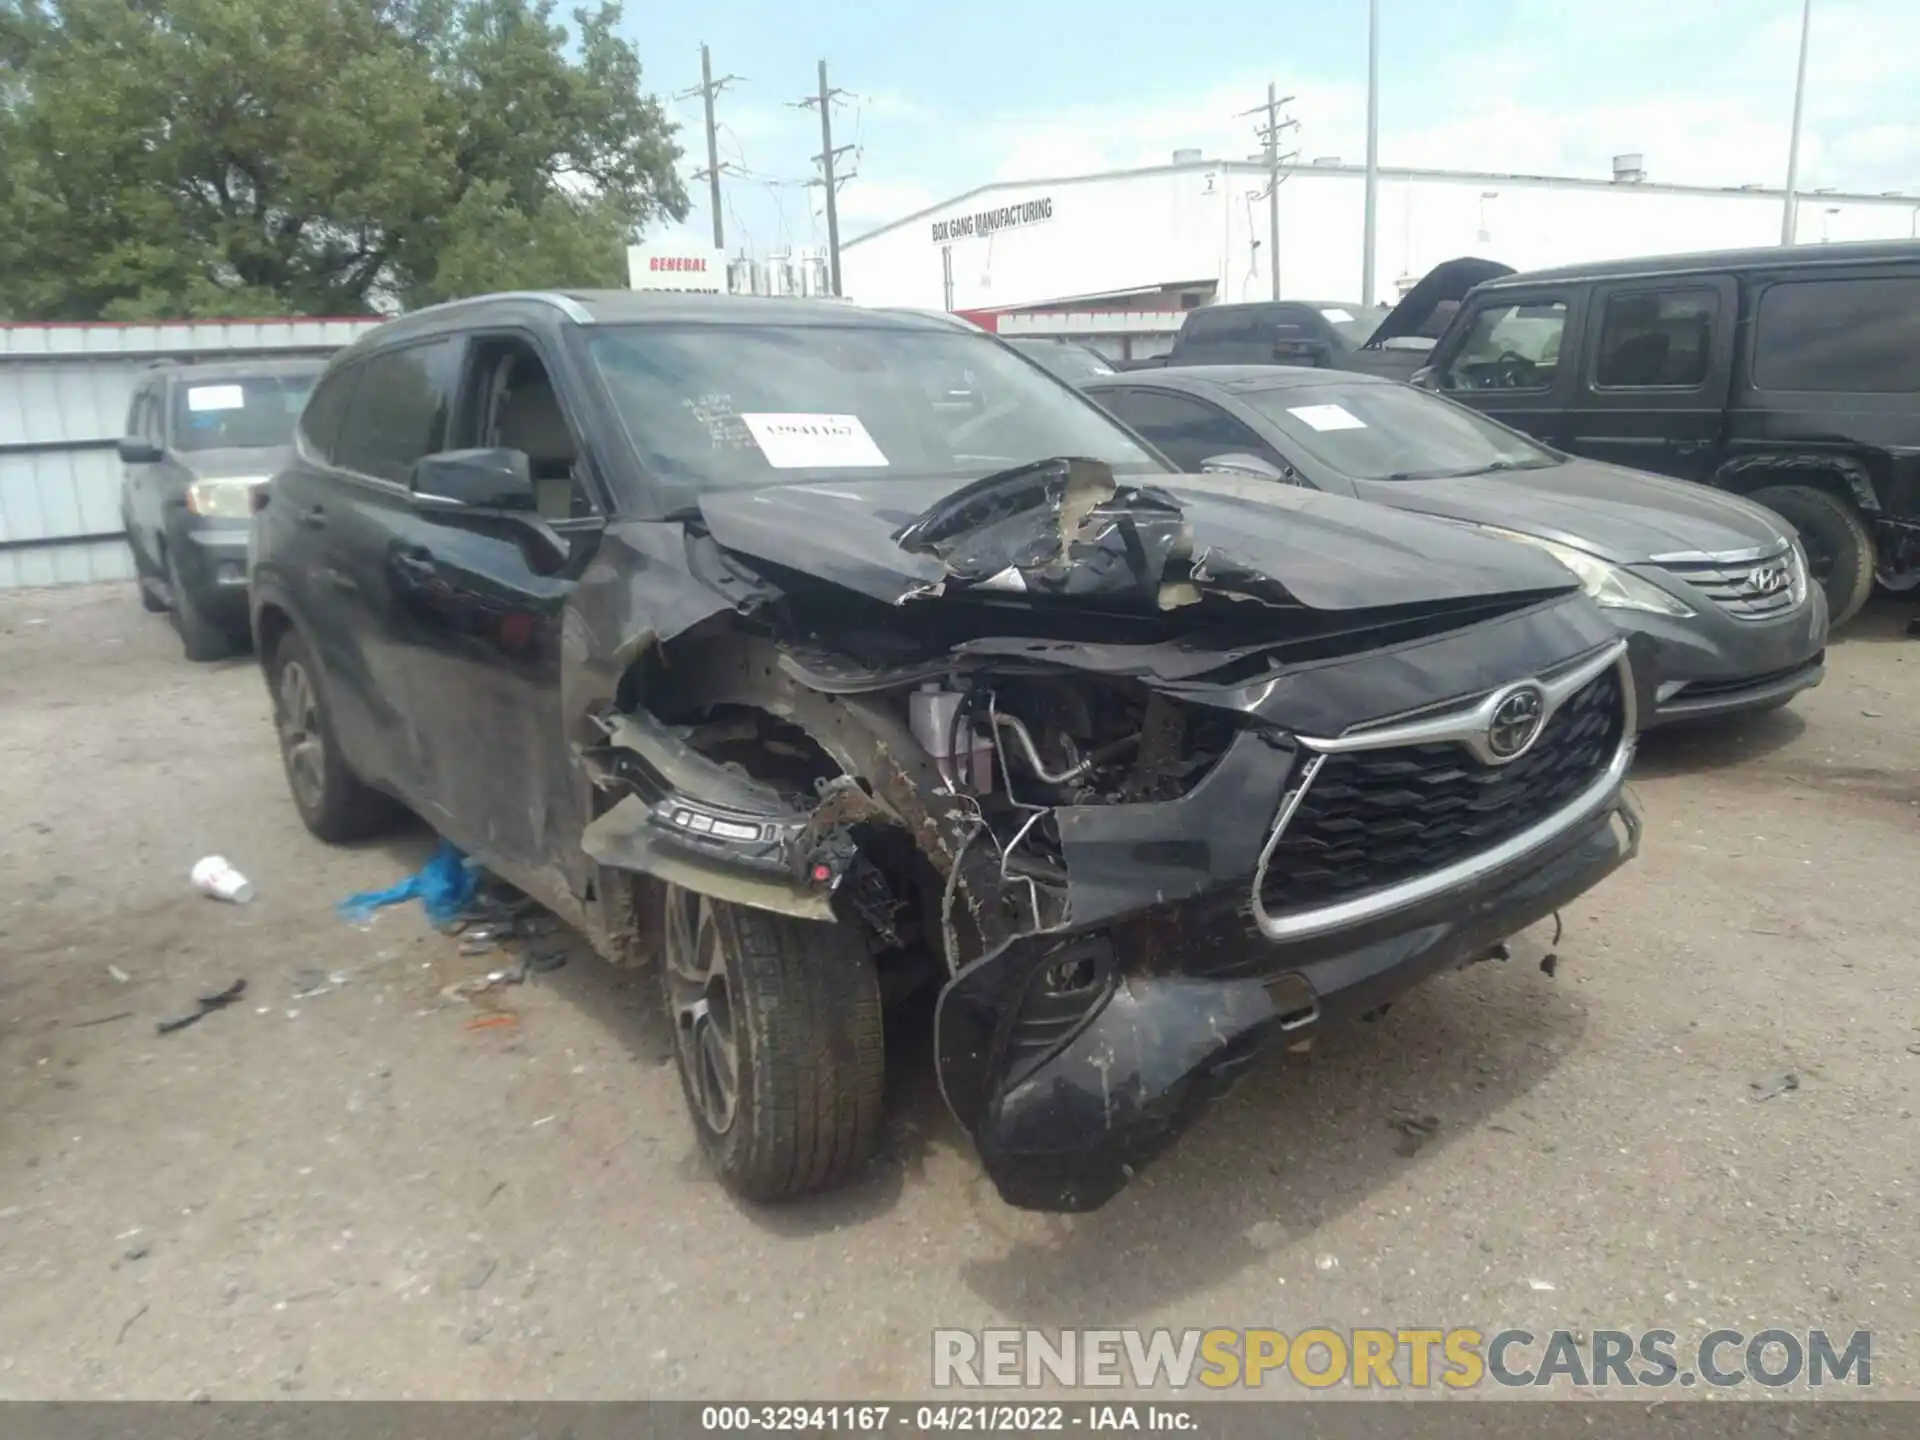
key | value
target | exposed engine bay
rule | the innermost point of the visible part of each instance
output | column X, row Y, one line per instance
column 1035, row 743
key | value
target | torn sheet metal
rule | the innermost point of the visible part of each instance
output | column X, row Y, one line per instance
column 1323, row 552
column 1056, row 527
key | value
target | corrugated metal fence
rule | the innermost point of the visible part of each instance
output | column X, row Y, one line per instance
column 63, row 404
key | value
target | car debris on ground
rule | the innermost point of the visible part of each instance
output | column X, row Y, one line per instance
column 206, row 1005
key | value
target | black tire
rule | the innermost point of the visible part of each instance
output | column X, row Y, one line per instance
column 797, row 1003
column 334, row 803
column 143, row 576
column 1838, row 543
column 199, row 637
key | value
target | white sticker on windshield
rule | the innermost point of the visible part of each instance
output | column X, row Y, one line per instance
column 1337, row 317
column 216, row 397
column 1328, row 417
column 807, row 442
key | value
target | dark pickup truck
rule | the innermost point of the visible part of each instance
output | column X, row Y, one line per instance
column 1327, row 334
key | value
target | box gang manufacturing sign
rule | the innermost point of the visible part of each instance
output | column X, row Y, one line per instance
column 982, row 223
column 661, row 266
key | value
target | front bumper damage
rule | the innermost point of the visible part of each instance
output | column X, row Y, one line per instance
column 1100, row 989
column 1178, row 1000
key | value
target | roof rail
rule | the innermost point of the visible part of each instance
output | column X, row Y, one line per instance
column 565, row 304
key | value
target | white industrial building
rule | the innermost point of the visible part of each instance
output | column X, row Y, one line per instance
column 1170, row 237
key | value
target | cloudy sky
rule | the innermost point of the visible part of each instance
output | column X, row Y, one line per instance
column 945, row 98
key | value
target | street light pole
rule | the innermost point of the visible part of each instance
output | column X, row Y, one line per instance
column 1790, row 215
column 1373, row 152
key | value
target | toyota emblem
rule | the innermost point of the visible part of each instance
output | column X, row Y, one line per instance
column 1768, row 579
column 1516, row 722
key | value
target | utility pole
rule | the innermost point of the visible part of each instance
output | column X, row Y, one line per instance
column 1369, row 220
column 828, row 154
column 1789, row 219
column 1270, row 154
column 706, row 90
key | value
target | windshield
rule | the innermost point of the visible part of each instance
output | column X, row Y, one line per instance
column 248, row 412
column 1393, row 432
column 1070, row 362
column 720, row 407
column 1354, row 324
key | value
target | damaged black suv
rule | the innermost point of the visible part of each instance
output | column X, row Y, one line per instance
column 823, row 654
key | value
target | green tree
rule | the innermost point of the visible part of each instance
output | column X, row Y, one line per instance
column 226, row 157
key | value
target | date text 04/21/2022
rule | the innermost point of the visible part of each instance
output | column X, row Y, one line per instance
column 963, row 1418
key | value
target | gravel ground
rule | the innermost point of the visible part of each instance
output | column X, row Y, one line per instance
column 362, row 1193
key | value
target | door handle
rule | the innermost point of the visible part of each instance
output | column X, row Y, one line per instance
column 314, row 517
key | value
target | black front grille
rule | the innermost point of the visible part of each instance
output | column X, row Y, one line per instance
column 1708, row 689
column 1374, row 818
column 1729, row 584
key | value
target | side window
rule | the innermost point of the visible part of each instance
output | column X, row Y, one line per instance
column 326, row 408
column 1222, row 325
column 1508, row 345
column 399, row 410
column 511, row 404
column 1850, row 335
column 1187, row 431
column 1656, row 339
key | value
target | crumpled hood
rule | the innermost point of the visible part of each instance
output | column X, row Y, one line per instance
column 1625, row 516
column 1323, row 551
column 228, row 463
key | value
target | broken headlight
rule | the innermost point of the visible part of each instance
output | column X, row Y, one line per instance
column 1610, row 586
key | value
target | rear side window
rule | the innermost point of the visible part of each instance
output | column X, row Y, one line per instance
column 1211, row 327
column 320, row 421
column 399, row 410
column 1839, row 335
column 1656, row 339
column 1185, row 430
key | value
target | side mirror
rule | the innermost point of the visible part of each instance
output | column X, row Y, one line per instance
column 490, row 491
column 1242, row 464
column 474, row 480
column 134, row 450
column 1425, row 377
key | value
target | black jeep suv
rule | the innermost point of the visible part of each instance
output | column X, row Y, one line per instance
column 1789, row 375
column 744, row 636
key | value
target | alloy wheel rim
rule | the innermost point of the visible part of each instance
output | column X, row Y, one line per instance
column 701, row 996
column 300, row 734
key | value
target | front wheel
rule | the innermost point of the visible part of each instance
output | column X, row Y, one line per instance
column 200, row 637
column 778, row 1035
column 1838, row 543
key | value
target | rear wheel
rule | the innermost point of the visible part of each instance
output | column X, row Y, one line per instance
column 777, row 1031
column 200, row 637
column 334, row 803
column 1838, row 543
